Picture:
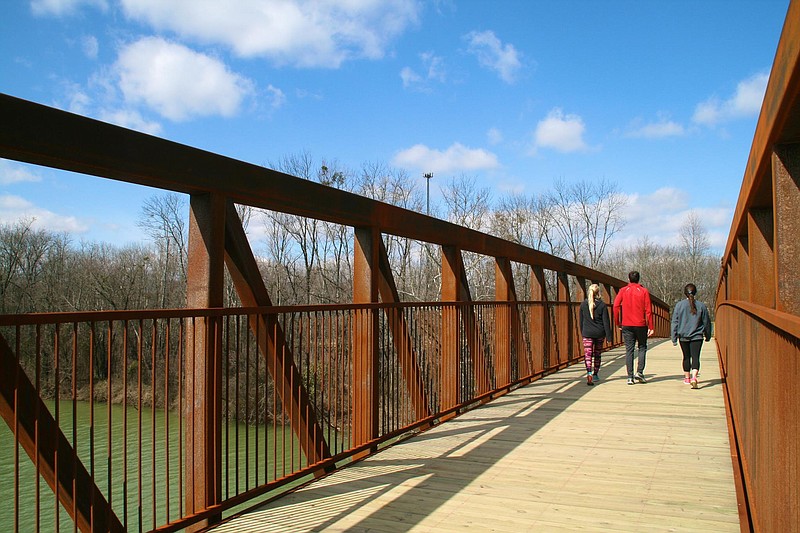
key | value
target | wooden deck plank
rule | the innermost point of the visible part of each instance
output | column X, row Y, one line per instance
column 555, row 455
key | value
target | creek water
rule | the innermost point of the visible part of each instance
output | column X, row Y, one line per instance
column 249, row 454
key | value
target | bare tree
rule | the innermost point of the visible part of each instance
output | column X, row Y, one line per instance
column 527, row 220
column 586, row 216
column 467, row 204
column 694, row 243
column 164, row 218
column 470, row 206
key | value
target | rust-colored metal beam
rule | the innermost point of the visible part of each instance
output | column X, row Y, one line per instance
column 365, row 336
column 450, row 371
column 43, row 441
column 786, row 206
column 203, row 364
column 271, row 339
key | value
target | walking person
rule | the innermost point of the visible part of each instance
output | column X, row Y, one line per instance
column 691, row 324
column 633, row 312
column 595, row 329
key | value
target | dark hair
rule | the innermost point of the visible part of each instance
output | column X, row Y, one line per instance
column 633, row 276
column 690, row 290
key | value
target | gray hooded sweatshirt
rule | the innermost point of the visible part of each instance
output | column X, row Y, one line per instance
column 689, row 327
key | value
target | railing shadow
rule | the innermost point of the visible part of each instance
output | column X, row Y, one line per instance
column 532, row 408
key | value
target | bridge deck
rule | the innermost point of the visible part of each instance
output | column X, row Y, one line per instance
column 555, row 455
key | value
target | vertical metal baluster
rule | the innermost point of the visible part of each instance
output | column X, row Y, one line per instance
column 91, row 421
column 246, row 421
column 153, row 403
column 256, row 408
column 236, row 406
column 109, row 427
column 37, row 495
column 227, row 405
column 179, row 370
column 17, row 348
column 167, row 325
column 139, row 359
column 56, row 349
column 125, row 424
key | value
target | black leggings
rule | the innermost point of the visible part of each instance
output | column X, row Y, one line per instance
column 691, row 354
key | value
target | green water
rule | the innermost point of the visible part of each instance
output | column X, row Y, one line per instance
column 249, row 454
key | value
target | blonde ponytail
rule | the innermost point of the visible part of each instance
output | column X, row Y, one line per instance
column 591, row 296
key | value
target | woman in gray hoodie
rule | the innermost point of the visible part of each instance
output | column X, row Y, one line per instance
column 690, row 325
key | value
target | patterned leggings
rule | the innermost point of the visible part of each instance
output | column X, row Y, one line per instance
column 591, row 354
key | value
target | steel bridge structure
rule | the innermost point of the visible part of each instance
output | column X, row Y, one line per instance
column 222, row 407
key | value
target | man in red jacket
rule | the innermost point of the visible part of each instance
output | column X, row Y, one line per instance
column 632, row 311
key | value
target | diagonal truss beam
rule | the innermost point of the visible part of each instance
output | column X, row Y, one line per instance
column 401, row 336
column 271, row 339
column 39, row 435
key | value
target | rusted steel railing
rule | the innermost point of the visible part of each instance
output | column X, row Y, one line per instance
column 758, row 305
column 216, row 408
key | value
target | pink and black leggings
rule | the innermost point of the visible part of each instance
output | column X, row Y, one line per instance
column 591, row 354
column 691, row 354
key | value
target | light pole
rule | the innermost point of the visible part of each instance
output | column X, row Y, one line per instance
column 428, row 177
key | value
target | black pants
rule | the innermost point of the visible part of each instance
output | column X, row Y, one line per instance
column 633, row 335
column 691, row 354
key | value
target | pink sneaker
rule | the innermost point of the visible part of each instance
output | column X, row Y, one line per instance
column 687, row 381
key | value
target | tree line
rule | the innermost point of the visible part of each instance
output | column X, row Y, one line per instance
column 307, row 261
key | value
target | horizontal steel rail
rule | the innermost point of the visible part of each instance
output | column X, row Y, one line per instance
column 128, row 429
column 758, row 310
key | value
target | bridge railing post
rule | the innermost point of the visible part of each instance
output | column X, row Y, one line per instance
column 203, row 364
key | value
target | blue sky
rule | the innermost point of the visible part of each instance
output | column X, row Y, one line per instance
column 660, row 98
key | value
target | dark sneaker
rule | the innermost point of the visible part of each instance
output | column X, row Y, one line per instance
column 630, row 381
column 595, row 377
column 640, row 377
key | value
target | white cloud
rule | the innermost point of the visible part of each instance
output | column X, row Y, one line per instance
column 660, row 215
column 745, row 102
column 64, row 7
column 131, row 119
column 301, row 33
column 494, row 55
column 456, row 158
column 434, row 65
column 177, row 82
column 276, row 97
column 410, row 78
column 657, row 130
column 15, row 208
column 494, row 136
column 90, row 46
column 560, row 132
column 433, row 68
column 15, row 173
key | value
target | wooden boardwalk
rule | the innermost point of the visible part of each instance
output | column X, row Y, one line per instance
column 555, row 455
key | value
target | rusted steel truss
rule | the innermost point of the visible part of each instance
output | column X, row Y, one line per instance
column 480, row 348
column 758, row 310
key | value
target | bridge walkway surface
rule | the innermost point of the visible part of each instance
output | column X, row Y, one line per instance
column 555, row 455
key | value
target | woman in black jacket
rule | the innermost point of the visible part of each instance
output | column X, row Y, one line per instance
column 595, row 329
